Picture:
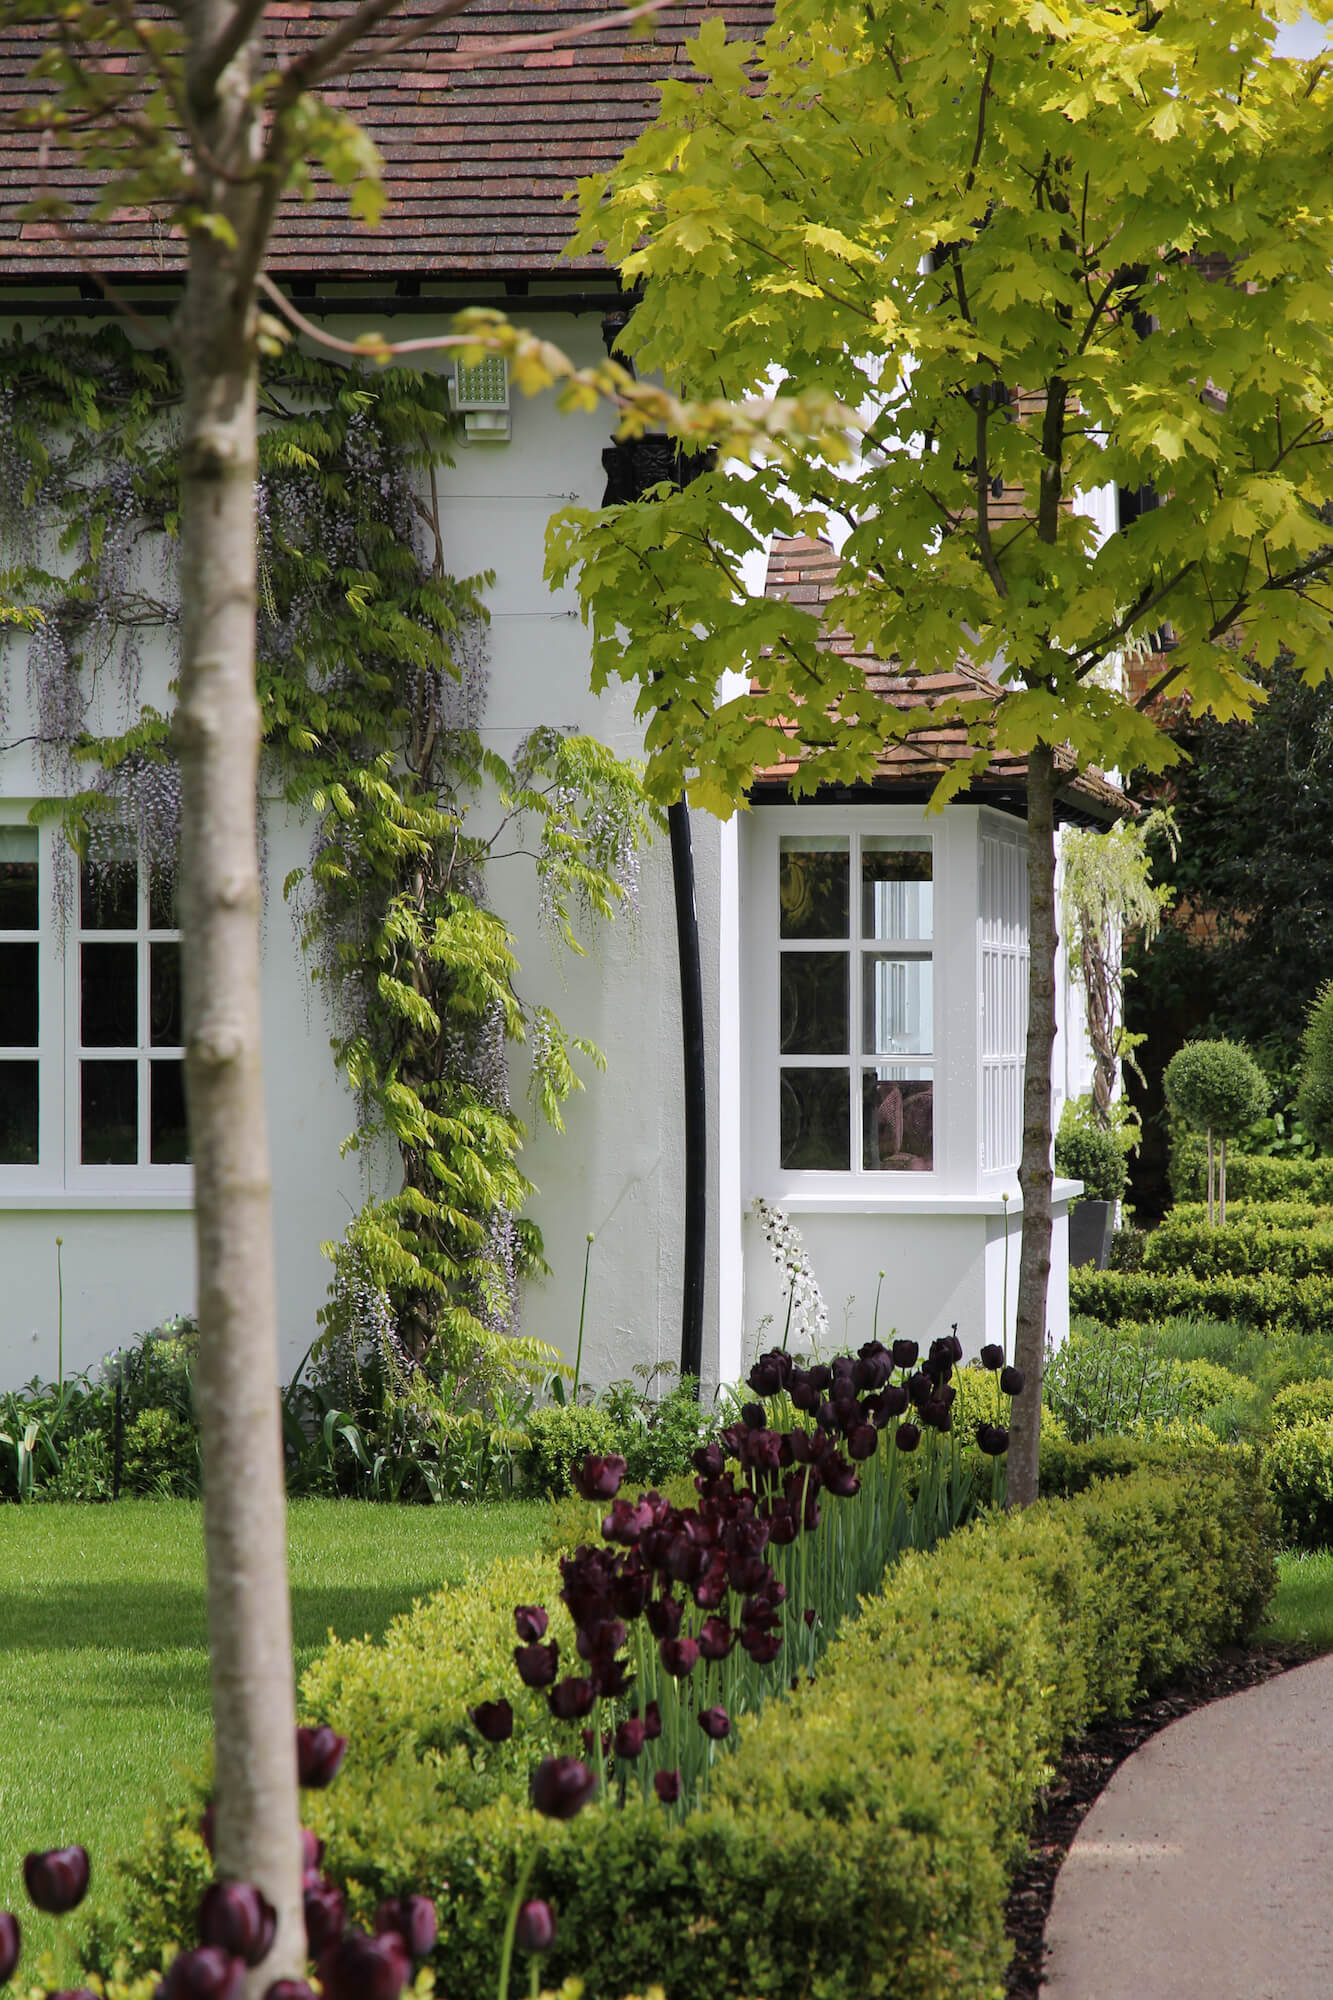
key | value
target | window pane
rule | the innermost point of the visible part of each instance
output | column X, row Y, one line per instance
column 897, row 895
column 109, row 996
column 18, row 878
column 18, row 1114
column 898, row 1000
column 162, row 915
column 109, row 898
column 812, row 987
column 169, row 1137
column 164, row 996
column 814, row 1119
column 110, row 1114
column 813, row 886
column 898, row 1118
column 18, row 996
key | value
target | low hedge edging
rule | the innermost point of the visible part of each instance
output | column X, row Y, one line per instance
column 857, row 1845
column 1264, row 1299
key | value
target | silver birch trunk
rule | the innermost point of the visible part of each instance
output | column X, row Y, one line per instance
column 1034, row 1174
column 217, row 738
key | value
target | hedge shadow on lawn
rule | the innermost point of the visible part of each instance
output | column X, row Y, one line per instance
column 157, row 1617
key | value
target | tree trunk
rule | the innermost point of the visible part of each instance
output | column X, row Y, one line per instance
column 1222, row 1185
column 1034, row 1174
column 1211, row 1178
column 217, row 737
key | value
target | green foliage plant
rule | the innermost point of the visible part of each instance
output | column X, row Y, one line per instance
column 1315, row 1101
column 1265, row 1300
column 1217, row 1088
column 560, row 1437
column 1303, row 1403
column 1106, row 891
column 1089, row 1151
column 1103, row 1381
column 1298, row 1461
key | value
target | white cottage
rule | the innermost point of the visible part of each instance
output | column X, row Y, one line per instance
column 861, row 962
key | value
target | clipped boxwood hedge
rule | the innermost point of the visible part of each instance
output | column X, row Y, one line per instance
column 1251, row 1176
column 1246, row 1247
column 1261, row 1299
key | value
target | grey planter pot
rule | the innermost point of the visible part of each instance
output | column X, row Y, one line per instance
column 1090, row 1226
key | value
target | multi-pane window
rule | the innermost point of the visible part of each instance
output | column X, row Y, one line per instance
column 20, row 992
column 856, row 1003
column 131, row 1076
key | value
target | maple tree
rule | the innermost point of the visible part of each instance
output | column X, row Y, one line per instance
column 1041, row 247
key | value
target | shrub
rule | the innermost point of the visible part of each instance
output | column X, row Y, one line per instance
column 560, row 1436
column 1255, row 1177
column 161, row 1455
column 1248, row 1246
column 1068, row 1468
column 1216, row 1087
column 1299, row 1466
column 1204, row 1385
column 1104, row 1381
column 1315, row 1099
column 1089, row 1153
column 1304, row 1305
column 1303, row 1403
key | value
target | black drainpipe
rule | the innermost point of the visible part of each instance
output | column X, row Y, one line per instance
column 631, row 468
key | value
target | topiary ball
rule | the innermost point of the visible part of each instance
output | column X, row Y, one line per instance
column 1217, row 1087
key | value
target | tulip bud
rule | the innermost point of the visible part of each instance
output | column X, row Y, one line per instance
column 534, row 1930
column 11, row 1940
column 236, row 1918
column 664, row 1616
column 570, row 1699
column 862, row 1440
column 57, row 1880
column 325, row 1915
column 206, row 1974
column 1011, row 1381
column 536, row 1664
column 679, row 1656
column 494, row 1720
column 652, row 1722
column 562, row 1786
column 708, row 1461
column 905, row 1353
column 763, row 1647
column 359, row 1967
column 312, row 1849
column 629, row 1737
column 716, row 1638
column 530, row 1622
column 907, row 1437
column 993, row 1439
column 667, row 1786
column 319, row 1753
column 715, row 1723
column 992, row 1355
column 599, row 1478
column 413, row 1918
column 289, row 1989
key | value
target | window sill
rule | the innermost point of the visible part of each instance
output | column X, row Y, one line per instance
column 68, row 1201
column 891, row 1202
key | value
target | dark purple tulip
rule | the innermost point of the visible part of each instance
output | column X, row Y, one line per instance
column 907, row 1437
column 679, row 1656
column 805, row 1395
column 753, row 1416
column 993, row 1439
column 590, row 1742
column 667, row 1786
column 600, row 1478
column 783, row 1525
column 861, row 1441
column 359, row 1967
column 11, row 1942
column 820, row 1376
column 685, row 1559
column 905, row 1353
column 708, row 1461
column 530, row 1622
column 562, row 1786
column 992, row 1355
column 1011, row 1381
column 319, row 1753
column 610, row 1678
column 664, row 1616
column 571, row 1699
column 535, row 1929
column 413, row 1918
column 57, row 1880
column 289, row 1989
column 537, row 1664
column 765, row 1378
column 652, row 1722
column 600, row 1641
column 206, row 1974
column 840, row 1480
column 711, row 1588
column 626, row 1522
column 494, row 1720
column 937, row 1414
column 312, row 1849
column 920, row 1389
column 715, row 1723
column 630, row 1737
column 237, row 1919
column 72, row 1993
column 716, row 1638
column 325, row 1915
column 892, row 1402
column 763, row 1647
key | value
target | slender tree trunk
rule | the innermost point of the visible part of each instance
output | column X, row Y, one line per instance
column 1222, row 1185
column 1211, row 1178
column 217, row 736
column 1034, row 1174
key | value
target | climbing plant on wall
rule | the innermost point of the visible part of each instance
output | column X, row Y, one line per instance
column 372, row 670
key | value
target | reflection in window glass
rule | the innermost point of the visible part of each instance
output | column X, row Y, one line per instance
column 164, row 996
column 169, row 1136
column 109, row 1114
column 897, row 1118
column 162, row 914
column 18, row 1114
column 109, row 996
column 897, row 894
column 18, row 878
column 813, row 996
column 897, row 1009
column 109, row 898
column 813, row 886
column 814, row 1119
column 18, row 996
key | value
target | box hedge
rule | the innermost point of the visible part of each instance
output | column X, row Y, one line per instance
column 1251, row 1176
column 1261, row 1299
column 1248, row 1246
column 858, row 1843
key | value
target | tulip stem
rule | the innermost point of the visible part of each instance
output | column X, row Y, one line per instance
column 534, row 1977
column 507, row 1949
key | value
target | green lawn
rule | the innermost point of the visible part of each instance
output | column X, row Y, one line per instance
column 103, row 1663
column 1302, row 1610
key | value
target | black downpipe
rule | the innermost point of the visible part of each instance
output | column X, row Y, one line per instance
column 696, row 1092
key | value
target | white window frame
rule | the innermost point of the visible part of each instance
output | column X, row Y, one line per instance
column 60, row 1178
column 763, row 950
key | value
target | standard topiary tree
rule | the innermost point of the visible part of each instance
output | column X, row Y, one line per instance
column 1314, row 1102
column 1218, row 1088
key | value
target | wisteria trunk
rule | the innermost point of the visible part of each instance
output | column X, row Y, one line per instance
column 1034, row 1174
column 217, row 736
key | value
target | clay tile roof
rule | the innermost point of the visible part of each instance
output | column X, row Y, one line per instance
column 805, row 572
column 479, row 161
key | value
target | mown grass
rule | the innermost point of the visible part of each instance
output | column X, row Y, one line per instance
column 103, row 1655
column 1302, row 1609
